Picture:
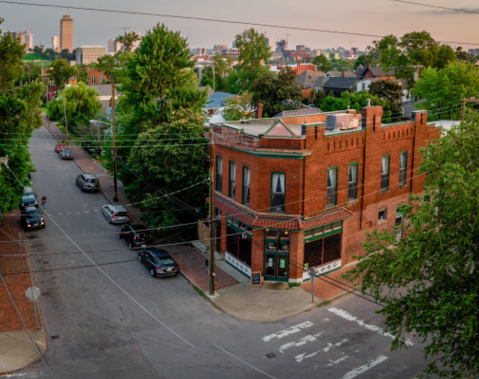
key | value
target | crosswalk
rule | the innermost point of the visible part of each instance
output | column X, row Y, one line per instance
column 317, row 345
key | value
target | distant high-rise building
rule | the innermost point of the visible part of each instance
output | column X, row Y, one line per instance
column 66, row 33
column 89, row 54
column 113, row 46
column 270, row 44
column 300, row 47
column 218, row 49
column 136, row 44
column 202, row 51
column 28, row 40
column 56, row 43
column 18, row 35
column 233, row 45
column 281, row 46
column 233, row 52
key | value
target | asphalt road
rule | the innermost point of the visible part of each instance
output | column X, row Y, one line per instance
column 115, row 321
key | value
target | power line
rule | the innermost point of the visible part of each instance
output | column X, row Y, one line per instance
column 213, row 20
column 463, row 10
column 26, row 328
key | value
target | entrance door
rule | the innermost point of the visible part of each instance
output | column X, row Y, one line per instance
column 276, row 267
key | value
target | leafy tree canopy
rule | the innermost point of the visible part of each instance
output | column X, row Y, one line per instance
column 253, row 53
column 390, row 91
column 223, row 67
column 427, row 280
column 365, row 60
column 128, row 40
column 322, row 63
column 443, row 89
column 60, row 71
column 277, row 92
column 239, row 108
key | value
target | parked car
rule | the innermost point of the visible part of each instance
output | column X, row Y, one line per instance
column 66, row 154
column 90, row 148
column 115, row 214
column 29, row 199
column 31, row 219
column 88, row 182
column 158, row 262
column 59, row 147
column 136, row 236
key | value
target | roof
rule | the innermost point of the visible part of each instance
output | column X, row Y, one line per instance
column 378, row 71
column 337, row 74
column 340, row 83
column 280, row 222
column 158, row 252
column 103, row 89
column 217, row 100
column 89, row 176
column 118, row 208
column 299, row 112
column 308, row 77
column 208, row 88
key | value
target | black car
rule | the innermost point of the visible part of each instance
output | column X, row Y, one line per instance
column 29, row 199
column 31, row 219
column 159, row 262
column 136, row 236
column 65, row 154
column 88, row 182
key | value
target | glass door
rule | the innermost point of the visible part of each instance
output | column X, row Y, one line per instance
column 276, row 267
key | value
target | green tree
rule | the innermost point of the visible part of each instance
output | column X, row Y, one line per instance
column 82, row 105
column 443, row 89
column 223, row 67
column 82, row 73
column 277, row 93
column 170, row 156
column 239, row 107
column 427, row 280
column 342, row 64
column 160, row 64
column 390, row 91
column 253, row 53
column 20, row 114
column 365, row 60
column 128, row 40
column 322, row 63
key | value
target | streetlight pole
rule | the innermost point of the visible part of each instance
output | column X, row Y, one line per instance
column 115, row 167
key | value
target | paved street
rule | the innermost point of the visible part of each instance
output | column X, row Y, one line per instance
column 115, row 321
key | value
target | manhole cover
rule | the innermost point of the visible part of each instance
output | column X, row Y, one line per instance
column 33, row 293
column 270, row 355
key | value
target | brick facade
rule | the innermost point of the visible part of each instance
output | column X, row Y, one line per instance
column 305, row 158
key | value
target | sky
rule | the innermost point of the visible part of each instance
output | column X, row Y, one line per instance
column 378, row 17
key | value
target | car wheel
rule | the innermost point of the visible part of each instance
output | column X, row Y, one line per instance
column 130, row 245
column 139, row 258
column 109, row 219
column 152, row 272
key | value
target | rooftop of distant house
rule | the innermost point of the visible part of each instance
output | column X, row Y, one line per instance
column 218, row 100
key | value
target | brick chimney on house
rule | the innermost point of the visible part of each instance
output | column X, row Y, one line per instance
column 259, row 111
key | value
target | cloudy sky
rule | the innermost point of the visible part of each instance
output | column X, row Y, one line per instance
column 377, row 17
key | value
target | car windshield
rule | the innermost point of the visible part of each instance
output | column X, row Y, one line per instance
column 165, row 261
column 32, row 213
column 28, row 196
column 65, row 151
column 121, row 214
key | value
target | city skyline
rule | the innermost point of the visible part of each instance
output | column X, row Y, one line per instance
column 96, row 28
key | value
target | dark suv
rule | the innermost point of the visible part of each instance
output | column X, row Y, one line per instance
column 31, row 219
column 136, row 236
column 88, row 182
column 158, row 262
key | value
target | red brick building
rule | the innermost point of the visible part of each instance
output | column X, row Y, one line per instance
column 302, row 191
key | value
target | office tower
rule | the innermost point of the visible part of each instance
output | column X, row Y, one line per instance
column 136, row 43
column 270, row 44
column 113, row 46
column 218, row 49
column 89, row 54
column 66, row 33
column 56, row 43
column 28, row 40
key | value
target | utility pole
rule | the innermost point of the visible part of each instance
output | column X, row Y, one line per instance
column 214, row 86
column 65, row 109
column 113, row 125
column 211, row 260
column 463, row 108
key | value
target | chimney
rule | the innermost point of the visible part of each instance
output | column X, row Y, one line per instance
column 259, row 111
column 342, row 74
column 369, row 102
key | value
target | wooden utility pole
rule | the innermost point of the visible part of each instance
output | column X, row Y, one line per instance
column 113, row 126
column 463, row 107
column 211, row 259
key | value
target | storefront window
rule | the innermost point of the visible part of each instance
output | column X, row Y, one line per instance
column 239, row 246
column 322, row 251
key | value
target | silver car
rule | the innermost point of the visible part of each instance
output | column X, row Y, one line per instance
column 115, row 214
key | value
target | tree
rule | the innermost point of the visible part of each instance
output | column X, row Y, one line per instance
column 82, row 104
column 443, row 89
column 277, row 93
column 427, row 280
column 239, row 107
column 128, row 40
column 169, row 156
column 365, row 60
column 322, row 63
column 223, row 67
column 82, row 75
column 253, row 53
column 390, row 91
column 160, row 64
column 20, row 114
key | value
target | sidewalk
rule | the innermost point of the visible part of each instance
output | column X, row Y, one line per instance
column 16, row 348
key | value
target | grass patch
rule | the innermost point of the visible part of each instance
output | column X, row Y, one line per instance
column 323, row 303
column 292, row 285
column 31, row 57
column 200, row 292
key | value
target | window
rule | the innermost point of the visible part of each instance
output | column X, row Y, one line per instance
column 232, row 186
column 332, row 186
column 403, row 169
column 93, row 80
column 219, row 173
column 353, row 181
column 101, row 79
column 363, row 86
column 278, row 192
column 383, row 214
column 385, row 173
column 246, row 181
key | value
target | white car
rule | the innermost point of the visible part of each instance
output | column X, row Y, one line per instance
column 115, row 214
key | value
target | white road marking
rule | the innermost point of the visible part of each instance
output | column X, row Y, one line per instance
column 326, row 319
column 95, row 210
column 77, row 213
column 69, row 213
column 347, row 316
column 301, row 357
column 286, row 332
column 246, row 363
column 86, row 212
column 352, row 374
column 60, row 214
column 337, row 361
column 300, row 342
